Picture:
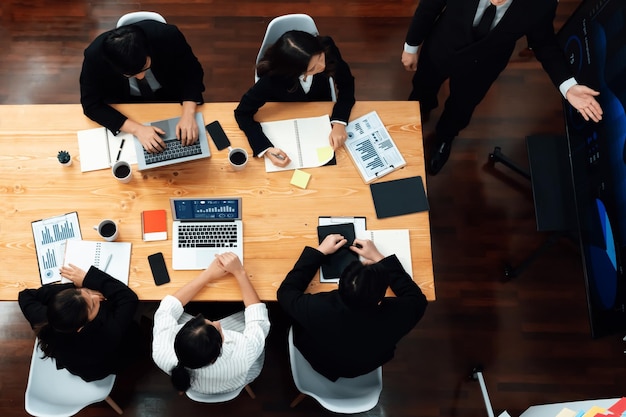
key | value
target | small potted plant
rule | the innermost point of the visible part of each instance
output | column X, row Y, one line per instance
column 64, row 158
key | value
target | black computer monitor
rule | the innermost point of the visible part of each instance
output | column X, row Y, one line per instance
column 594, row 42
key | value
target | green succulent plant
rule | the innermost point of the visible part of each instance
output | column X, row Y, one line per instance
column 63, row 157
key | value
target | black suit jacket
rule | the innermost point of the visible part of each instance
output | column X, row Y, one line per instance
column 444, row 27
column 102, row 346
column 281, row 89
column 173, row 64
column 338, row 341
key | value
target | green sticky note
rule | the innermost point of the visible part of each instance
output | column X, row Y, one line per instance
column 300, row 178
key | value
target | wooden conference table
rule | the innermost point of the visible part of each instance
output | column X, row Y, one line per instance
column 279, row 218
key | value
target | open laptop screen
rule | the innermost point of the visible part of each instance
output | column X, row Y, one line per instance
column 228, row 208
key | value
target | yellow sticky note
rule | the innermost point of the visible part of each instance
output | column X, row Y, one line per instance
column 300, row 178
column 324, row 154
column 594, row 410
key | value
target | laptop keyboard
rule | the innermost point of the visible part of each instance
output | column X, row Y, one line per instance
column 174, row 150
column 207, row 236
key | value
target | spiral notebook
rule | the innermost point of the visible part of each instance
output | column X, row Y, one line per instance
column 110, row 257
column 305, row 140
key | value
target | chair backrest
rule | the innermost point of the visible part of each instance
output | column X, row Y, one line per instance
column 134, row 17
column 346, row 395
column 212, row 398
column 282, row 24
column 52, row 392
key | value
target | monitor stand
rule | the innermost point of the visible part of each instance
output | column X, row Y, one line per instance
column 553, row 192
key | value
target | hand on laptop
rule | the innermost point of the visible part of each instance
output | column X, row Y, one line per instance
column 149, row 138
column 230, row 263
column 187, row 129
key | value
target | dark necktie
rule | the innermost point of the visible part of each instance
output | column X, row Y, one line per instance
column 144, row 88
column 484, row 26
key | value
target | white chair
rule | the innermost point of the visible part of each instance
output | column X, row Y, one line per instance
column 218, row 398
column 53, row 392
column 282, row 24
column 134, row 17
column 346, row 395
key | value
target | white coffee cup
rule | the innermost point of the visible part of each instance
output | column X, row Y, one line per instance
column 107, row 229
column 238, row 158
column 122, row 171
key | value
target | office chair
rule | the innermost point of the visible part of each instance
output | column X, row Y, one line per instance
column 346, row 395
column 218, row 398
column 134, row 17
column 52, row 392
column 285, row 23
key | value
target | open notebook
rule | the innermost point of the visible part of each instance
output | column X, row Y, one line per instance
column 110, row 257
column 304, row 140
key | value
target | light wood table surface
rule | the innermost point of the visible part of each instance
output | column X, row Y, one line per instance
column 279, row 218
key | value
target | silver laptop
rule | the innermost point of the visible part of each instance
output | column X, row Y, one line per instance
column 174, row 152
column 203, row 227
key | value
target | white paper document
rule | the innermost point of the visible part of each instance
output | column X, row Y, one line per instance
column 391, row 242
column 304, row 140
column 99, row 148
column 51, row 236
column 371, row 148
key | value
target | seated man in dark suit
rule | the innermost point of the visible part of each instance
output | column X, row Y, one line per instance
column 147, row 61
column 352, row 330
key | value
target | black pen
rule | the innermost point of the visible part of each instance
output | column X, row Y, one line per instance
column 119, row 153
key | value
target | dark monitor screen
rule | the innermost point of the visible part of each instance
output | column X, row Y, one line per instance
column 594, row 42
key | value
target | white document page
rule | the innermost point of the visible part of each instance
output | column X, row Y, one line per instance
column 371, row 148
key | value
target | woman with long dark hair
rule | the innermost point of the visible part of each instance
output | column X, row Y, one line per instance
column 86, row 325
column 297, row 67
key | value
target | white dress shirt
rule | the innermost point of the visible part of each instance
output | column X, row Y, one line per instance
column 242, row 354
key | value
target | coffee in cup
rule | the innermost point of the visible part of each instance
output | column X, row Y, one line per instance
column 122, row 171
column 107, row 229
column 238, row 158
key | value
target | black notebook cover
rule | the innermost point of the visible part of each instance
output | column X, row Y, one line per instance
column 398, row 197
column 337, row 262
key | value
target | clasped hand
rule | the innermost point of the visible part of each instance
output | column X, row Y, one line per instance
column 223, row 264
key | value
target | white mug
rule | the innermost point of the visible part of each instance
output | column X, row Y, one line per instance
column 122, row 171
column 107, row 229
column 238, row 158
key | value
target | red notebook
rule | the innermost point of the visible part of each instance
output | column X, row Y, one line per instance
column 154, row 225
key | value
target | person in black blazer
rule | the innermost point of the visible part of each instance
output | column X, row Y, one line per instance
column 297, row 68
column 87, row 325
column 354, row 329
column 148, row 61
column 451, row 47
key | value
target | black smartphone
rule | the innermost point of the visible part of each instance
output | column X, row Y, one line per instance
column 218, row 135
column 159, row 269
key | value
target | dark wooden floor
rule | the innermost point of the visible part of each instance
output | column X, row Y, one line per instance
column 531, row 334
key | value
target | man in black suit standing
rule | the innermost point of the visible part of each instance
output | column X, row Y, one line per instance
column 148, row 61
column 470, row 42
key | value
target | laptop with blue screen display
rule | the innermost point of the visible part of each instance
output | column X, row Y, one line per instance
column 204, row 227
column 174, row 152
